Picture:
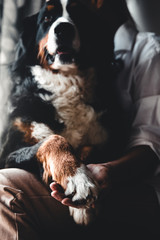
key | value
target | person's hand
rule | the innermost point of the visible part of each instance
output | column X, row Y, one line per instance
column 59, row 195
column 100, row 174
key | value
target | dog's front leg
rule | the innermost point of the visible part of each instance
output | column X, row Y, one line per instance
column 24, row 158
column 61, row 165
column 58, row 160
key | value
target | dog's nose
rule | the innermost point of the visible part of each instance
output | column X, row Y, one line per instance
column 65, row 32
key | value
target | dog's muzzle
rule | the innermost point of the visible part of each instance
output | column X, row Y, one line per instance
column 63, row 44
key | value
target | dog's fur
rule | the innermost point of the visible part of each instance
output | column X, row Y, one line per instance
column 59, row 100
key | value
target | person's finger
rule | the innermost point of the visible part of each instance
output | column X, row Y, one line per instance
column 58, row 195
column 56, row 187
column 57, row 191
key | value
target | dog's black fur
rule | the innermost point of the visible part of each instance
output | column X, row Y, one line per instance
column 96, row 51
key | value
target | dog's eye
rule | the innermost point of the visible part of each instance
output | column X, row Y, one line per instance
column 48, row 19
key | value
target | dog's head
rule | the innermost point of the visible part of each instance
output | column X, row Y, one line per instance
column 57, row 35
column 62, row 36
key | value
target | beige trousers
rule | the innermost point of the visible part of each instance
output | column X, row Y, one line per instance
column 28, row 212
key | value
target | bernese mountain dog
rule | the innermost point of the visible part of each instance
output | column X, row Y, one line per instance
column 57, row 122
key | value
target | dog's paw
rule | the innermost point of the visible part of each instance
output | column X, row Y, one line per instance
column 84, row 191
column 81, row 187
column 82, row 216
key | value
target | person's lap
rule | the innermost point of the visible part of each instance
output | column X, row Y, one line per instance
column 28, row 211
column 28, row 205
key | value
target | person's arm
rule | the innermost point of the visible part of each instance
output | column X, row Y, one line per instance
column 138, row 163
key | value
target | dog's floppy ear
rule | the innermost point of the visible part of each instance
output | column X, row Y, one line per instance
column 26, row 43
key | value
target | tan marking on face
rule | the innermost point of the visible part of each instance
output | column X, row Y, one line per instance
column 97, row 3
column 50, row 7
column 73, row 4
column 58, row 159
column 26, row 129
column 41, row 52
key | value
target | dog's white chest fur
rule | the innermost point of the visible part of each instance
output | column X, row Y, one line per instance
column 70, row 95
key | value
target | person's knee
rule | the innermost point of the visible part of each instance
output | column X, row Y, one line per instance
column 18, row 182
column 10, row 194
